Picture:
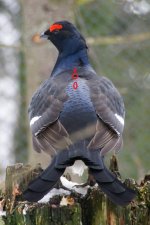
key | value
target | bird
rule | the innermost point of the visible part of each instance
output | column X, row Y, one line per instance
column 76, row 115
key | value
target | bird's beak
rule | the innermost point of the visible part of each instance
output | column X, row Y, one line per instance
column 43, row 35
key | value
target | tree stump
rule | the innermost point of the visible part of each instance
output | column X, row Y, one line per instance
column 18, row 177
column 92, row 209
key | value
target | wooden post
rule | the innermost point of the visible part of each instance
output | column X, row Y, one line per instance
column 93, row 209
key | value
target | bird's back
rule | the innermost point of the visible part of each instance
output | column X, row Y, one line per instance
column 78, row 111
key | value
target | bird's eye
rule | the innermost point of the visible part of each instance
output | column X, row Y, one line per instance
column 56, row 31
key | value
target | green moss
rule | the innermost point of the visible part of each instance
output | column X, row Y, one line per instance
column 39, row 214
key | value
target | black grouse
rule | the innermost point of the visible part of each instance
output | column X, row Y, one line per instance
column 76, row 115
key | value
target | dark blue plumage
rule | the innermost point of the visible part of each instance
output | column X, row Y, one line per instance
column 79, row 105
column 72, row 61
column 82, row 123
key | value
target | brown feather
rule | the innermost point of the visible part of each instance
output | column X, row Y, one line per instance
column 53, row 138
column 104, row 138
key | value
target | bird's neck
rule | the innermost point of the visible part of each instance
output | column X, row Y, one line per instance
column 70, row 61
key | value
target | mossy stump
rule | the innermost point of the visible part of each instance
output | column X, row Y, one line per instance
column 44, row 214
column 92, row 209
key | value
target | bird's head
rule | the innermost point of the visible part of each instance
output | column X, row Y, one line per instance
column 65, row 37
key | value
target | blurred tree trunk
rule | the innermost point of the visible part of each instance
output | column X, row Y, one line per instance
column 40, row 56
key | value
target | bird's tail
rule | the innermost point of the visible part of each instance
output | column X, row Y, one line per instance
column 108, row 182
column 48, row 178
column 43, row 183
column 116, row 191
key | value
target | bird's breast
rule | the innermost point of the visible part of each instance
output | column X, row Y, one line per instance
column 78, row 111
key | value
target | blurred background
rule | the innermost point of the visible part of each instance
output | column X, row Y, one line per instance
column 118, row 36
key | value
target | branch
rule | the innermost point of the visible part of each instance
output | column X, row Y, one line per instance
column 117, row 40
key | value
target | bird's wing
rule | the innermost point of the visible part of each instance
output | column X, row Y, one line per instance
column 109, row 108
column 48, row 133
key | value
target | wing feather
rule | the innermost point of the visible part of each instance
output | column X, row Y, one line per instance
column 108, row 103
column 109, row 108
column 48, row 133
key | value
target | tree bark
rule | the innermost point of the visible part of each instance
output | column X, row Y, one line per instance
column 43, row 214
